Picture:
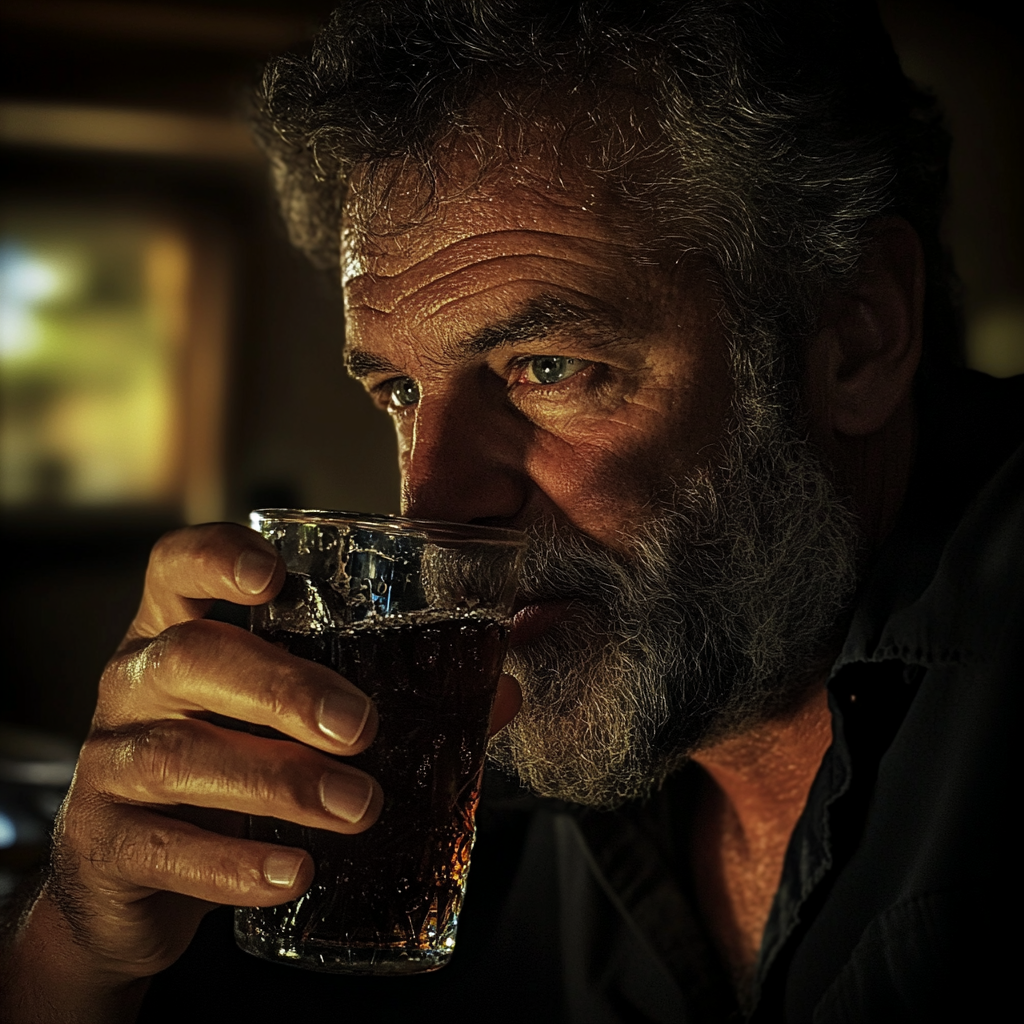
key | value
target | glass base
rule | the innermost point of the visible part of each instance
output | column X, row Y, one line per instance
column 331, row 959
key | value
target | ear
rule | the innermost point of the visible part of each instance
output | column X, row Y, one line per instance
column 861, row 363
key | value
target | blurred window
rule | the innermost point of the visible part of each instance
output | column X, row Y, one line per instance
column 96, row 317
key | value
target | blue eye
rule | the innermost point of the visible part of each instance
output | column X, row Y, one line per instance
column 552, row 369
column 404, row 391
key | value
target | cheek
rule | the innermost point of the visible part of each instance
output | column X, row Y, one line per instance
column 604, row 474
column 404, row 424
column 602, row 487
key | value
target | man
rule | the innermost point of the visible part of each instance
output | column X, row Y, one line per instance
column 661, row 284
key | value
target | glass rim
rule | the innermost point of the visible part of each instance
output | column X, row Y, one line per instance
column 439, row 530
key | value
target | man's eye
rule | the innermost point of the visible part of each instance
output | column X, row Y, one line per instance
column 552, row 369
column 403, row 391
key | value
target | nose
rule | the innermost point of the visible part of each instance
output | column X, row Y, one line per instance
column 465, row 463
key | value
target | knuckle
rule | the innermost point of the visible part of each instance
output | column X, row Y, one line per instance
column 274, row 783
column 88, row 838
column 294, row 788
column 116, row 850
column 247, row 878
column 121, row 675
column 153, row 849
column 168, row 542
column 167, row 549
column 102, row 764
column 159, row 854
column 111, row 680
column 135, row 855
column 223, row 870
column 174, row 648
column 289, row 782
column 180, row 651
column 206, row 547
column 285, row 687
column 93, row 758
column 211, row 545
column 143, row 665
column 162, row 757
column 71, row 826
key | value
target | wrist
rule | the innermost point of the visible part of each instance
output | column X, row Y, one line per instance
column 51, row 976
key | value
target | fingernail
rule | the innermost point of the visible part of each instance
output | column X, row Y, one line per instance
column 343, row 714
column 346, row 796
column 254, row 569
column 281, row 868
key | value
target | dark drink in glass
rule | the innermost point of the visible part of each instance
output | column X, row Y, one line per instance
column 387, row 900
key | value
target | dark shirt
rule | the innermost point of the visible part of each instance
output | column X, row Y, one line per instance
column 899, row 881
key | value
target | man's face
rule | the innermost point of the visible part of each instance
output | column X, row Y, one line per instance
column 689, row 559
column 535, row 369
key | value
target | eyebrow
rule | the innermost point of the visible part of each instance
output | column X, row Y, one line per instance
column 539, row 318
column 361, row 364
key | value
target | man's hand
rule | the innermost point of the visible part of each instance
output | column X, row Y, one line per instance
column 148, row 839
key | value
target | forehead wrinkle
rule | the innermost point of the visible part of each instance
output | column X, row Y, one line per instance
column 538, row 318
column 438, row 295
column 428, row 304
column 465, row 253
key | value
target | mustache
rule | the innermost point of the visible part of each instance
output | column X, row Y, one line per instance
column 562, row 563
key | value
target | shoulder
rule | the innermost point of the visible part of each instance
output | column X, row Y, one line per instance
column 949, row 578
column 913, row 922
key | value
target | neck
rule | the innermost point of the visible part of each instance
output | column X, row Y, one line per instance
column 766, row 773
column 757, row 788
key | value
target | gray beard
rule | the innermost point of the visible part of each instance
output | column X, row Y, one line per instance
column 718, row 619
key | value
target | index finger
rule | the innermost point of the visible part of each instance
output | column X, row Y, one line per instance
column 192, row 567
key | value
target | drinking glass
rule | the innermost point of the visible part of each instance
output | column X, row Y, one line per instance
column 414, row 613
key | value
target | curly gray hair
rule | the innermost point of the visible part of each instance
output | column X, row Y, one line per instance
column 772, row 132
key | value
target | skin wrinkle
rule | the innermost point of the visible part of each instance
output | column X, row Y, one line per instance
column 446, row 281
column 355, row 287
column 539, row 320
column 628, row 393
column 157, row 757
column 457, row 253
column 461, row 237
column 467, row 253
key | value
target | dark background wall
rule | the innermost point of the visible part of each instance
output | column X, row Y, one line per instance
column 297, row 431
column 969, row 55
